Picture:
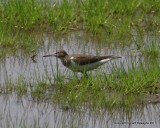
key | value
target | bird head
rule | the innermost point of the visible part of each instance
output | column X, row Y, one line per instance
column 59, row 54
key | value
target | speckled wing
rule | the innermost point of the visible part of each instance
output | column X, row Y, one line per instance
column 86, row 59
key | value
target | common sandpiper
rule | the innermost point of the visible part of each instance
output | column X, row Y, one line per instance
column 81, row 62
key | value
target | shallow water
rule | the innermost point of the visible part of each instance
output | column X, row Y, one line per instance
column 13, row 66
column 21, row 112
column 28, row 113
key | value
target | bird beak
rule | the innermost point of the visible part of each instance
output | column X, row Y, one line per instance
column 49, row 55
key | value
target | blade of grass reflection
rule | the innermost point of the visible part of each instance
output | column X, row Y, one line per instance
column 46, row 71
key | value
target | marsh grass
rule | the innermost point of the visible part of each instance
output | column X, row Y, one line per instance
column 111, row 19
column 121, row 87
column 151, row 50
column 19, row 87
column 17, row 40
column 96, row 90
column 136, row 79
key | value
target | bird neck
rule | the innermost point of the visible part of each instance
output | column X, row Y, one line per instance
column 65, row 60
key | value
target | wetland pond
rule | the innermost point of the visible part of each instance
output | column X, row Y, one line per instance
column 20, row 75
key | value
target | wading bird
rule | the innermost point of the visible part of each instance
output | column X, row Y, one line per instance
column 80, row 62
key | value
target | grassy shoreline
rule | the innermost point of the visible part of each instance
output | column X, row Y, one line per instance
column 115, row 20
column 86, row 15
